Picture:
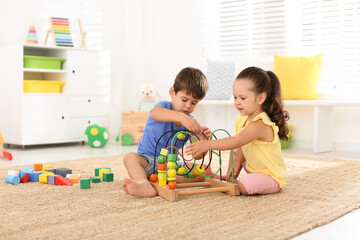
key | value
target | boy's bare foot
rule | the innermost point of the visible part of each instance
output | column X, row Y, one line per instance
column 138, row 188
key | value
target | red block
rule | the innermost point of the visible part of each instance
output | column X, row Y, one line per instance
column 60, row 180
column 25, row 178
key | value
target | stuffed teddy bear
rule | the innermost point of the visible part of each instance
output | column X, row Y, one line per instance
column 148, row 95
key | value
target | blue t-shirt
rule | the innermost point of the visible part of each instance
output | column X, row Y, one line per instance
column 154, row 130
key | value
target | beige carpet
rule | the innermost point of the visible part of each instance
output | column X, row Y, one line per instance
column 318, row 191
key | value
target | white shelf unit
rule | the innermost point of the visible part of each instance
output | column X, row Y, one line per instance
column 322, row 119
column 46, row 118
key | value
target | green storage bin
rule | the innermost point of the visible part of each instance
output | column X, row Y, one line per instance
column 43, row 62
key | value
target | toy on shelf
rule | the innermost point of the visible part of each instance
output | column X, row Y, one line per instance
column 147, row 95
column 32, row 36
column 96, row 136
column 133, row 124
column 3, row 153
column 168, row 169
column 64, row 32
column 60, row 30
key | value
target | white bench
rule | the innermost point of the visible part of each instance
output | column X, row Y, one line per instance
column 322, row 120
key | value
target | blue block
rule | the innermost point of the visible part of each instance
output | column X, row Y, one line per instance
column 12, row 179
column 34, row 176
column 25, row 171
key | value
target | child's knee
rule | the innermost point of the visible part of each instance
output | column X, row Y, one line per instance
column 128, row 157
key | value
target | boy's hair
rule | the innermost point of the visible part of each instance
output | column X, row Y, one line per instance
column 192, row 81
column 268, row 82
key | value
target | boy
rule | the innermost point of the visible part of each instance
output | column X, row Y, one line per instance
column 190, row 86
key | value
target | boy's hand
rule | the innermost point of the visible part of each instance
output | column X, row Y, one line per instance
column 197, row 147
column 191, row 124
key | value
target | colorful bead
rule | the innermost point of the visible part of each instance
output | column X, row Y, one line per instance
column 177, row 167
column 164, row 152
column 161, row 159
column 172, row 185
column 162, row 176
column 172, row 157
column 181, row 136
column 181, row 170
column 171, row 173
column 171, row 179
column 153, row 178
column 171, row 165
column 162, row 183
column 162, row 166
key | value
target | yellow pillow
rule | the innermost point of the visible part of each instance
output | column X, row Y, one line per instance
column 298, row 76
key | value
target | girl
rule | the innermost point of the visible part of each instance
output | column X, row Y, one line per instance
column 259, row 128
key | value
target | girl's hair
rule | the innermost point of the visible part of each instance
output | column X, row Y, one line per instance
column 192, row 81
column 268, row 82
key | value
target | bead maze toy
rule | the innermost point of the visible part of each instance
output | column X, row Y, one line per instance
column 168, row 169
column 3, row 153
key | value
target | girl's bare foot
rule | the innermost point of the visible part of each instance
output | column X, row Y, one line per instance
column 138, row 188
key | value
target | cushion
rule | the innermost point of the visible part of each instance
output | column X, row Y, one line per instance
column 220, row 75
column 298, row 76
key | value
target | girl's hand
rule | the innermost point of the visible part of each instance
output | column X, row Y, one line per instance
column 197, row 147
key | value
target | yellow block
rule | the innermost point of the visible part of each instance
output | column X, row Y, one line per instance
column 47, row 166
column 101, row 171
column 43, row 178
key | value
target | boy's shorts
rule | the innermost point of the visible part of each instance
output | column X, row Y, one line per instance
column 150, row 167
column 259, row 183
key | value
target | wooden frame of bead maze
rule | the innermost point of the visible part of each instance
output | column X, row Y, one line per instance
column 193, row 188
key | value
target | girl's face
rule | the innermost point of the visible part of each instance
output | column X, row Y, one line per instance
column 182, row 102
column 246, row 100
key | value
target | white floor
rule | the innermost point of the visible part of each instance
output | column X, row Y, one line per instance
column 346, row 227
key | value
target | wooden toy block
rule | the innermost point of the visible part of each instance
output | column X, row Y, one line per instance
column 74, row 178
column 60, row 180
column 164, row 152
column 25, row 178
column 47, row 166
column 95, row 179
column 108, row 177
column 38, row 166
column 12, row 179
column 14, row 172
column 51, row 179
column 98, row 169
column 69, row 175
column 101, row 171
column 43, row 178
column 63, row 171
column 25, row 171
column 85, row 183
column 34, row 176
column 52, row 170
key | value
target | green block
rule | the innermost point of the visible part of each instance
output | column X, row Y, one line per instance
column 108, row 177
column 172, row 157
column 85, row 183
column 98, row 169
column 95, row 179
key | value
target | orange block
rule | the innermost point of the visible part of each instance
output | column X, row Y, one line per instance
column 74, row 178
column 38, row 167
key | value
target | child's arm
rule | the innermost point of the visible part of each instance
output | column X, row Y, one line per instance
column 207, row 132
column 251, row 132
column 180, row 119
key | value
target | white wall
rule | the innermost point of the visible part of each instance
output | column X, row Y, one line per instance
column 151, row 41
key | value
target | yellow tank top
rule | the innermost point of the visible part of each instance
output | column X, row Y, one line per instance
column 261, row 156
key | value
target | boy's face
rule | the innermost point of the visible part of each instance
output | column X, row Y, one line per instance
column 182, row 102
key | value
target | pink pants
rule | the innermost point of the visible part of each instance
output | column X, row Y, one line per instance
column 259, row 183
